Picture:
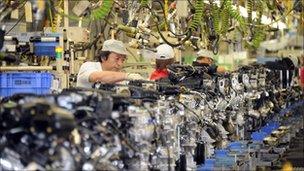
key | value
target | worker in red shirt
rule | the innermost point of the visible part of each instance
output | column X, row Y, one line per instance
column 301, row 71
column 164, row 57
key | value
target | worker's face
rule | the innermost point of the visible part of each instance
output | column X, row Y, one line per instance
column 301, row 59
column 114, row 62
column 204, row 60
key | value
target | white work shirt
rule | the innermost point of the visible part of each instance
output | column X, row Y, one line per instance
column 84, row 73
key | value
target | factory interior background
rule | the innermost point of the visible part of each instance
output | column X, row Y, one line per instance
column 151, row 85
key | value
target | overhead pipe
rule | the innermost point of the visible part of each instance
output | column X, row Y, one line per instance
column 27, row 68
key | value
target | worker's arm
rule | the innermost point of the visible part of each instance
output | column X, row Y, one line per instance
column 107, row 76
column 112, row 76
column 89, row 73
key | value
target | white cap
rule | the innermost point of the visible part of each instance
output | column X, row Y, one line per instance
column 164, row 51
column 205, row 53
column 116, row 46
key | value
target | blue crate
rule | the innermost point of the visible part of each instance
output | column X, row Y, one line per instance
column 24, row 82
column 45, row 48
column 221, row 153
column 208, row 166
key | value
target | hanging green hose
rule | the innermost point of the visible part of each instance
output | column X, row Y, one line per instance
column 193, row 26
column 102, row 11
column 55, row 18
column 220, row 18
column 259, row 36
column 270, row 5
column 249, row 10
column 258, row 32
column 259, row 6
column 196, row 21
column 215, row 11
column 235, row 15
column 224, row 15
column 144, row 3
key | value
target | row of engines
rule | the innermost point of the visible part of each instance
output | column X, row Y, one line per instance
column 173, row 124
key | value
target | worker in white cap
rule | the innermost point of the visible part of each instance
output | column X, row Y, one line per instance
column 164, row 57
column 205, row 58
column 108, row 68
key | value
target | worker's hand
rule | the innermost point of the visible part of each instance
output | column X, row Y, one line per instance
column 131, row 76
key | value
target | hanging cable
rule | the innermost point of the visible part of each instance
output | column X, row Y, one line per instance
column 166, row 14
column 195, row 23
column 18, row 21
column 158, row 23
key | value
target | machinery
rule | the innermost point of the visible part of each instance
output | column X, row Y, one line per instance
column 74, row 36
column 169, row 127
column 245, row 119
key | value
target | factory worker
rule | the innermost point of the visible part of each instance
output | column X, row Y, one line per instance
column 164, row 57
column 205, row 58
column 301, row 71
column 108, row 68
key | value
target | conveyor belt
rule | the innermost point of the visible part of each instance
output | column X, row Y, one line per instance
column 295, row 154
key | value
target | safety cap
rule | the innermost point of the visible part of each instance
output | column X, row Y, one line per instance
column 204, row 53
column 116, row 46
column 164, row 51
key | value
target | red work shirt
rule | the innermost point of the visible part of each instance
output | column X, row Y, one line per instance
column 158, row 74
column 302, row 75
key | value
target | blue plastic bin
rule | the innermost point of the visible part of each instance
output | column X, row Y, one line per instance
column 208, row 166
column 221, row 153
column 45, row 48
column 24, row 82
column 235, row 144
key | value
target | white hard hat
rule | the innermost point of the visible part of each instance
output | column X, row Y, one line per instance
column 204, row 53
column 164, row 51
column 116, row 46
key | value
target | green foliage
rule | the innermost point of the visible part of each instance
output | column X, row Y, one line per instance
column 259, row 11
column 144, row 3
column 235, row 15
column 258, row 37
column 216, row 18
column 196, row 21
column 249, row 10
column 224, row 15
column 258, row 33
column 220, row 18
column 102, row 11
column 270, row 5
